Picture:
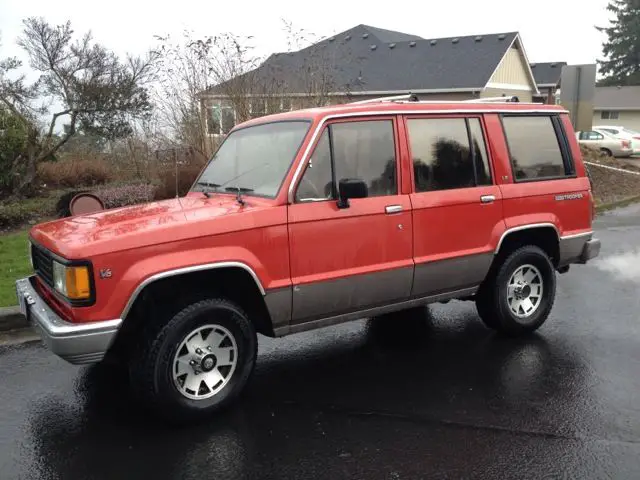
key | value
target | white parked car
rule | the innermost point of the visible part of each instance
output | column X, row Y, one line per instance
column 607, row 143
column 621, row 132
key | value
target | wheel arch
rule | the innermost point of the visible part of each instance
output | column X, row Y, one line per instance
column 166, row 293
column 544, row 235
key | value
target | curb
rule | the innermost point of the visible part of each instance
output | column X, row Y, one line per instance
column 12, row 319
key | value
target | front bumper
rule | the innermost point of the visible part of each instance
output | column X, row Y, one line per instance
column 76, row 343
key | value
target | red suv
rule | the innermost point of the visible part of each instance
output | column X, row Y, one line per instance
column 311, row 218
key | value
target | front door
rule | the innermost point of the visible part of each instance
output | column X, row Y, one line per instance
column 457, row 208
column 347, row 259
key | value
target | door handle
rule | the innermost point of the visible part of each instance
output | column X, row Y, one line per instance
column 393, row 208
column 487, row 198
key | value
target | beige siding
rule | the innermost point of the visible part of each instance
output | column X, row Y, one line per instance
column 629, row 119
column 523, row 95
column 512, row 70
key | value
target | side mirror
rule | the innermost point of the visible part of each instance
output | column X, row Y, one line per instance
column 351, row 188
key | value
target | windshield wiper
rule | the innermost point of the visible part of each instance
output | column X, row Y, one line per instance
column 208, row 184
column 239, row 189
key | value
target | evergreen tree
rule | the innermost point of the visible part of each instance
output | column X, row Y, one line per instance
column 621, row 65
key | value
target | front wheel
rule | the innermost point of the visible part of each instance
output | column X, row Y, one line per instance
column 518, row 297
column 197, row 362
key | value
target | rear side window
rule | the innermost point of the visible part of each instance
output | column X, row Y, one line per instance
column 536, row 150
column 448, row 153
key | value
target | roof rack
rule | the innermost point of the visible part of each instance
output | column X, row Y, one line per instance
column 512, row 98
column 413, row 98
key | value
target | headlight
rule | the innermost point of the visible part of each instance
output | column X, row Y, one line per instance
column 72, row 281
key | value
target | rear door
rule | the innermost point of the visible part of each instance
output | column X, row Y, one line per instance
column 457, row 208
column 348, row 259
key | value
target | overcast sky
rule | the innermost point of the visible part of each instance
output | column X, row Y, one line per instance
column 552, row 30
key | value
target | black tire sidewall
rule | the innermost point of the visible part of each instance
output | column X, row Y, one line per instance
column 215, row 312
column 526, row 255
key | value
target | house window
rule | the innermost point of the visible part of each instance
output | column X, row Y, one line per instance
column 221, row 117
column 213, row 120
column 534, row 148
column 442, row 157
column 257, row 107
column 609, row 115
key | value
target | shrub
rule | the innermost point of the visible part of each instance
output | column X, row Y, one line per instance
column 17, row 212
column 73, row 173
column 123, row 195
column 186, row 177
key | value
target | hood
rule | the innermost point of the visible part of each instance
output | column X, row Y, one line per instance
column 146, row 224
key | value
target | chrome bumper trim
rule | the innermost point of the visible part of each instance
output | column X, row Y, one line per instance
column 76, row 343
column 590, row 250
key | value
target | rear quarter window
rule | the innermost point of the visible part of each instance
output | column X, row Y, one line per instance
column 537, row 147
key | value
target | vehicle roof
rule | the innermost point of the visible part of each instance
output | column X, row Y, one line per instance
column 394, row 107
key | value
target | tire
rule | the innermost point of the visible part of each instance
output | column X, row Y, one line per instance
column 606, row 152
column 182, row 397
column 533, row 278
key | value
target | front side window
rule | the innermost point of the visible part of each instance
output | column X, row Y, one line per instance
column 316, row 183
column 448, row 153
column 254, row 159
column 366, row 150
column 361, row 149
column 534, row 147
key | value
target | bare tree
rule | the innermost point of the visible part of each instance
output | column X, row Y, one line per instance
column 81, row 84
column 192, row 66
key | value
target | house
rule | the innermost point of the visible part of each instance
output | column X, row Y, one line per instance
column 547, row 77
column 366, row 62
column 617, row 106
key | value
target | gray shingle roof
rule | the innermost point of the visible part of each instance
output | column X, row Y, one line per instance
column 617, row 98
column 369, row 59
column 547, row 73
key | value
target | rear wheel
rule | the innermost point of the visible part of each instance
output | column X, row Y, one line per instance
column 518, row 296
column 606, row 152
column 197, row 362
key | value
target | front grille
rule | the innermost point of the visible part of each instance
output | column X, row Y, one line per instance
column 42, row 264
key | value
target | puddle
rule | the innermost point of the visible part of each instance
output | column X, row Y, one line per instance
column 625, row 265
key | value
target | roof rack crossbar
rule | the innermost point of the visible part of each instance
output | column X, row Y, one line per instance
column 409, row 97
column 512, row 98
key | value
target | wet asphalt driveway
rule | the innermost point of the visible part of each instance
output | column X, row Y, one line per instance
column 425, row 397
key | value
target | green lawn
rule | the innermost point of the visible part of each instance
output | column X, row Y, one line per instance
column 14, row 264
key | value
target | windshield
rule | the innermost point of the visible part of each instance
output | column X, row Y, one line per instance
column 254, row 159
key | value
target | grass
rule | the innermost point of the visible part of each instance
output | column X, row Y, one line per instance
column 14, row 264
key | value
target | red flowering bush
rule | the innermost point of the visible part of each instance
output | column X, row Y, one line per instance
column 123, row 195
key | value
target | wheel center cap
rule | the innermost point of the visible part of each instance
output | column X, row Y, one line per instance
column 208, row 363
column 522, row 291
